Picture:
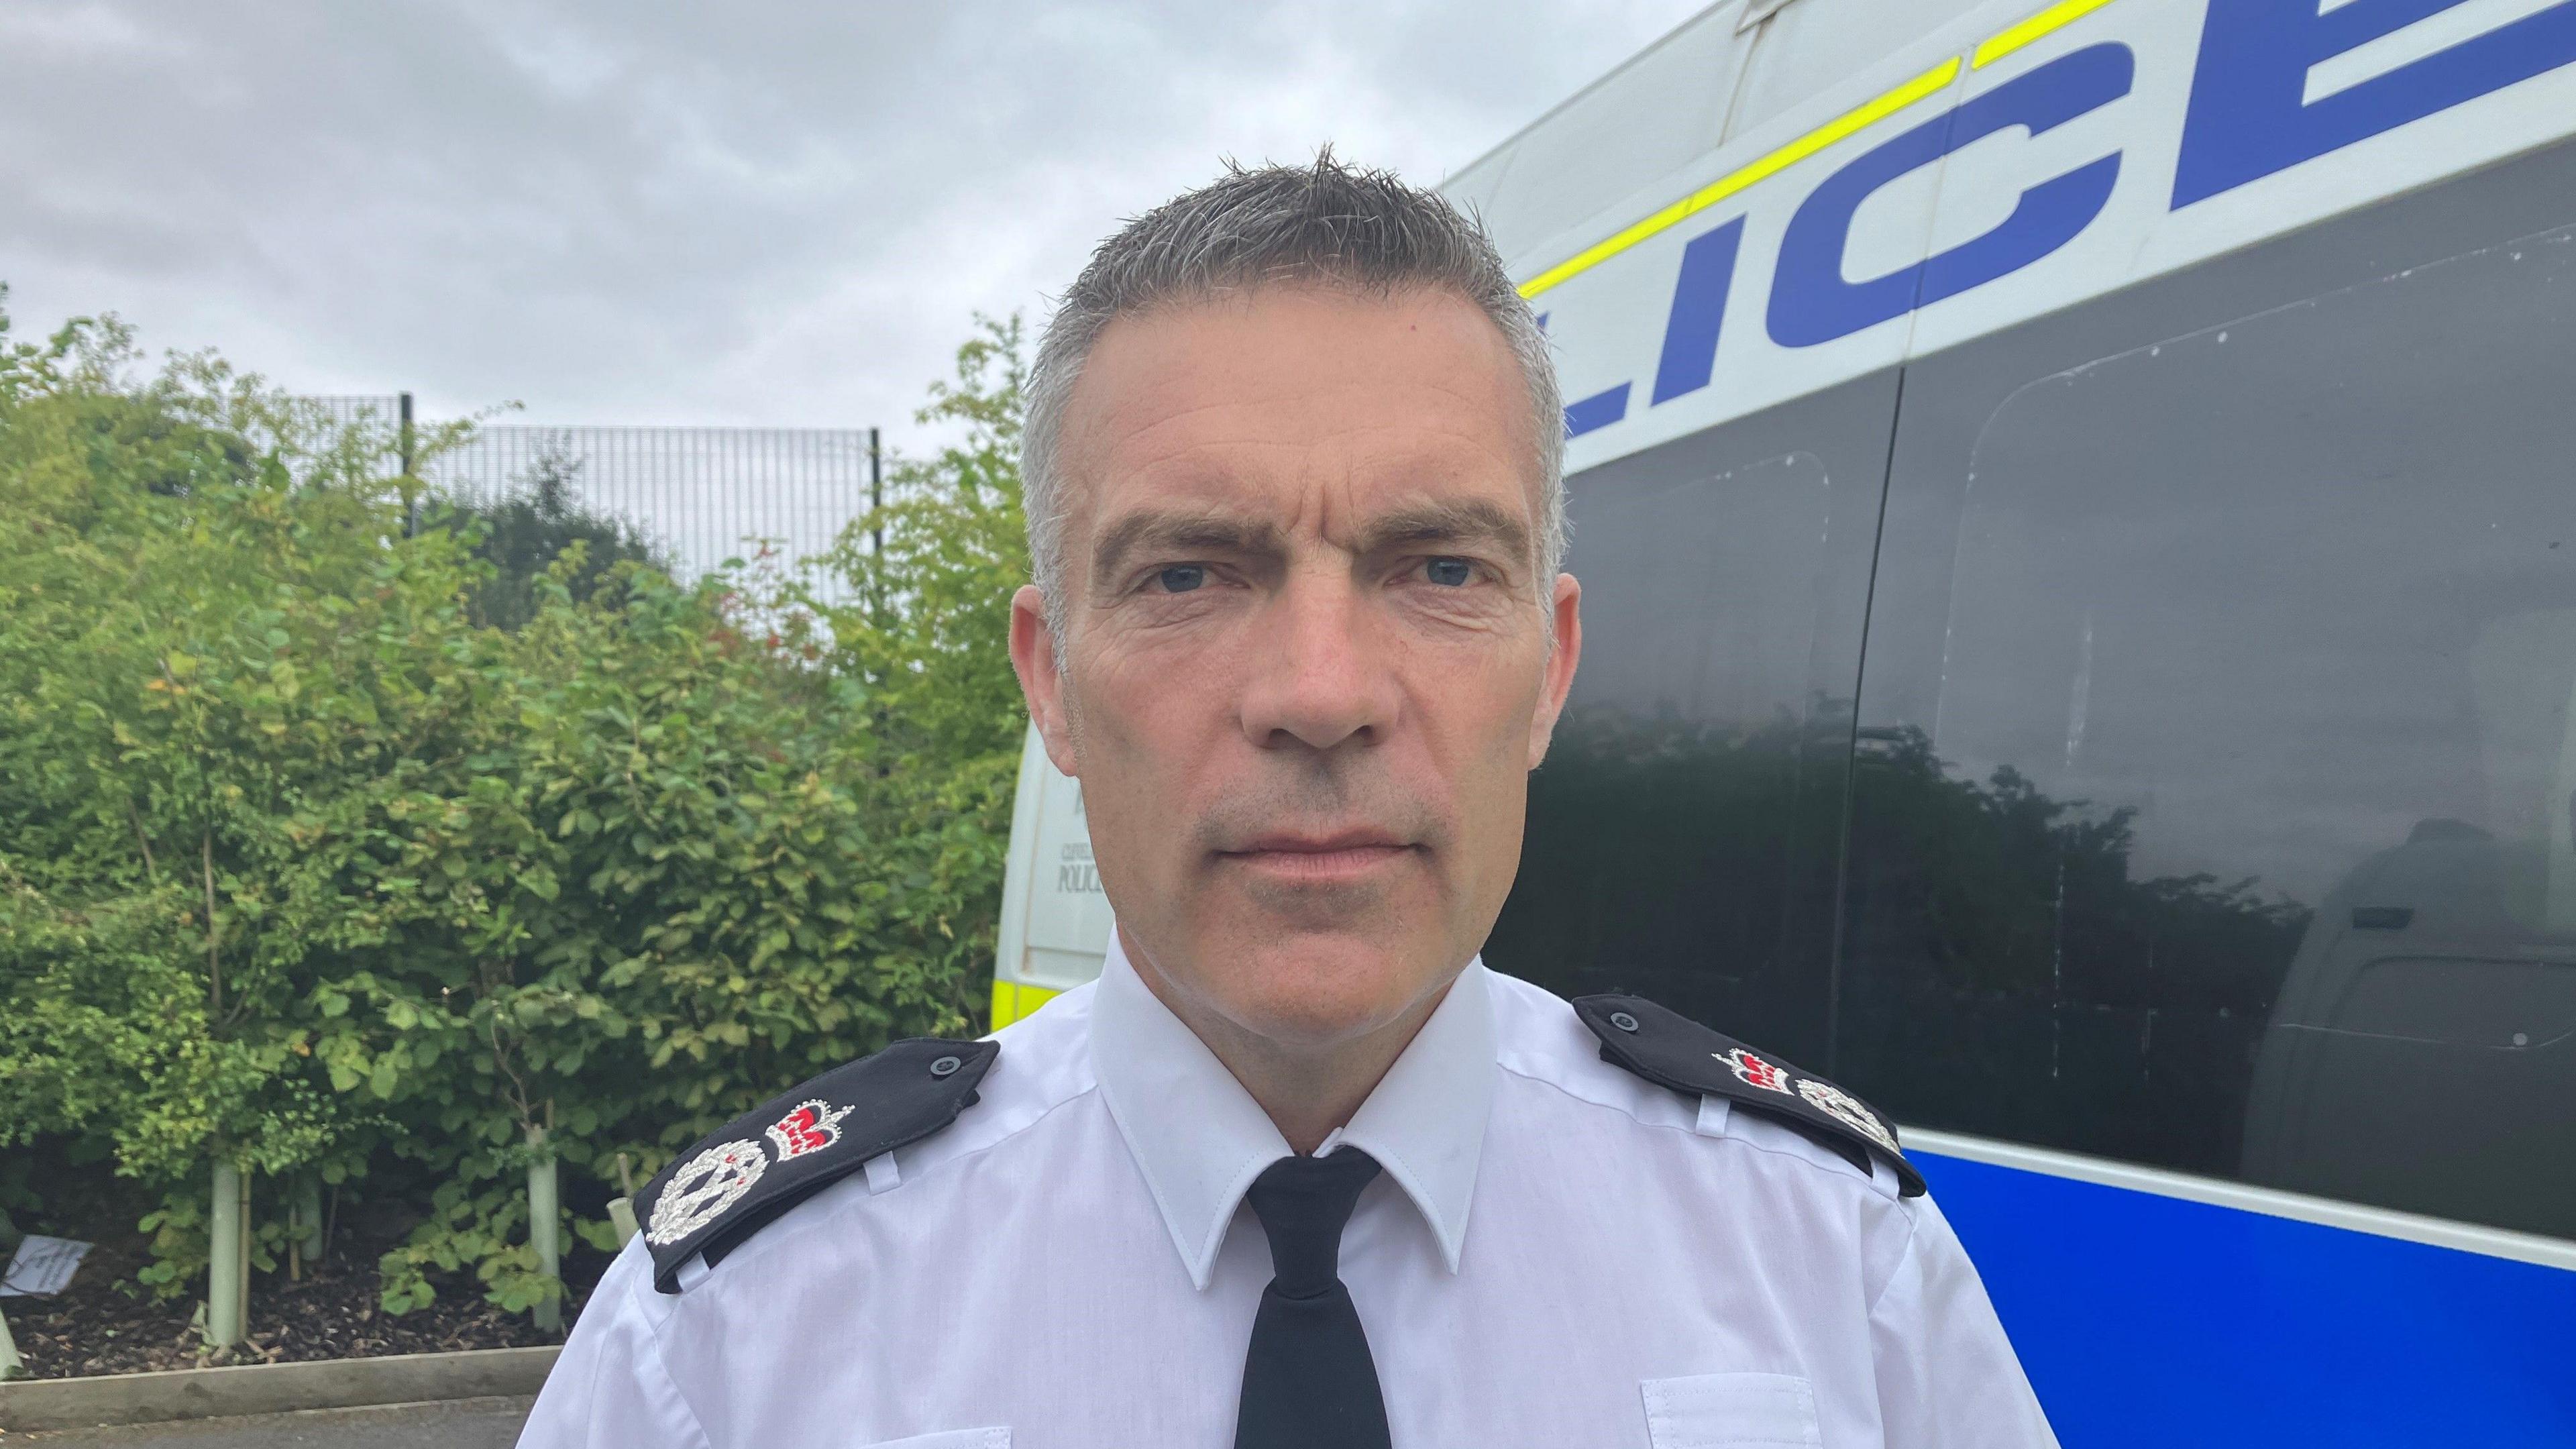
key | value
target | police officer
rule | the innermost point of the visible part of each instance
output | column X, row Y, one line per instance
column 1298, row 1171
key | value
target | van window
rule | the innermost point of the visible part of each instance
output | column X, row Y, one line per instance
column 2243, row 836
column 1687, row 812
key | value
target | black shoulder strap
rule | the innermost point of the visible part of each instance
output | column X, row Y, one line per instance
column 741, row 1178
column 1671, row 1050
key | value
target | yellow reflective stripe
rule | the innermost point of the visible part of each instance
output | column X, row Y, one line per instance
column 2005, row 42
column 1993, row 48
column 1011, row 1001
column 1771, row 164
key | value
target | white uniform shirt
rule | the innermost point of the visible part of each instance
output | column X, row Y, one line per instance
column 1558, row 1255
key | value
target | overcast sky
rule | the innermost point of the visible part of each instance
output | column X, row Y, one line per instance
column 647, row 213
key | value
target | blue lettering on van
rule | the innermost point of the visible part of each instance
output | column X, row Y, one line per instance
column 1810, row 301
column 1597, row 411
column 2247, row 120
column 1699, row 312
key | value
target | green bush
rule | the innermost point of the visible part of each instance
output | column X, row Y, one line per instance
column 307, row 863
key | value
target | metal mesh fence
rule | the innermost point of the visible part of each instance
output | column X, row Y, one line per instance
column 350, row 410
column 700, row 496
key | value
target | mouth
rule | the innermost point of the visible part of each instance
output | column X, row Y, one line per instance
column 1339, row 856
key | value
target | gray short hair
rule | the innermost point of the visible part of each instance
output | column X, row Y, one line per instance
column 1327, row 224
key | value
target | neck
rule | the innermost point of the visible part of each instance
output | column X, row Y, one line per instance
column 1308, row 1089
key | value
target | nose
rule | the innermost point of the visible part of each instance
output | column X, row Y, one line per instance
column 1324, row 677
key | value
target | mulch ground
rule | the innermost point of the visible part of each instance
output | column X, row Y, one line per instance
column 105, row 1323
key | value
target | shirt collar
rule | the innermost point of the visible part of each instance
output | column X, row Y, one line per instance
column 1200, row 1139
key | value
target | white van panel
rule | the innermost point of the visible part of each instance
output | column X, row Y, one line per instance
column 1055, row 920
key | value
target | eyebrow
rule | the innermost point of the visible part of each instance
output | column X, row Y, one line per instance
column 1452, row 521
column 1180, row 533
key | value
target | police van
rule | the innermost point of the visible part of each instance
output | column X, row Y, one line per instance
column 2077, row 515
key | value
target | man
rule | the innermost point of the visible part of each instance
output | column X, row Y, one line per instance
column 1298, row 1170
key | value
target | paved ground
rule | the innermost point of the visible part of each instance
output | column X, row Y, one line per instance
column 463, row 1424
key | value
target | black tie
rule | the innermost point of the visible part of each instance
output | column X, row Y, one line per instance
column 1308, row 1381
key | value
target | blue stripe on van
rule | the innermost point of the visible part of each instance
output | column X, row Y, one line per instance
column 2152, row 1321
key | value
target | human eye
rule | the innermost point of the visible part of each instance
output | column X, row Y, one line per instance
column 1449, row 573
column 1180, row 578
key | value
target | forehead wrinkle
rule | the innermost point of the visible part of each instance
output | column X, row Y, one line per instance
column 1305, row 394
column 1275, row 438
column 1260, row 422
column 1419, row 451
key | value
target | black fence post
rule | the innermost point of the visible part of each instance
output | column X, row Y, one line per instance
column 876, row 532
column 402, row 443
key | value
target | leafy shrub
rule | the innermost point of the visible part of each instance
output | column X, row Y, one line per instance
column 309, row 864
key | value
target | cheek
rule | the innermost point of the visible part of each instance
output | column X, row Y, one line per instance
column 1143, row 662
column 1153, row 712
column 1486, row 700
column 1477, row 720
column 1142, row 736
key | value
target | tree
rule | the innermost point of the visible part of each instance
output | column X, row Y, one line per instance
column 217, row 657
column 523, row 534
column 926, row 629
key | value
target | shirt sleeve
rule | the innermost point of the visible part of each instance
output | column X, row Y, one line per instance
column 1947, row 1375
column 610, row 1389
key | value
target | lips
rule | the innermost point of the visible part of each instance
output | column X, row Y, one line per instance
column 1322, row 858
column 1292, row 843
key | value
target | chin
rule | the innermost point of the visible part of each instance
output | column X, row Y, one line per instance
column 1319, row 992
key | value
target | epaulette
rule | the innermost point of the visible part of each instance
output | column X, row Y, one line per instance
column 739, row 1179
column 1671, row 1050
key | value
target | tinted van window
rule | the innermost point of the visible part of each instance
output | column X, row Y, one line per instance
column 2242, row 835
column 1683, row 830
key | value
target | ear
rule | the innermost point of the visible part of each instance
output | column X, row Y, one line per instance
column 1566, row 611
column 1033, row 649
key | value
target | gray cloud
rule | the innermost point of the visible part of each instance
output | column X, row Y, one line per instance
column 679, row 213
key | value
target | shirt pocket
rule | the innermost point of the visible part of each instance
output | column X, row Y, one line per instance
column 951, row 1439
column 1731, row 1411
